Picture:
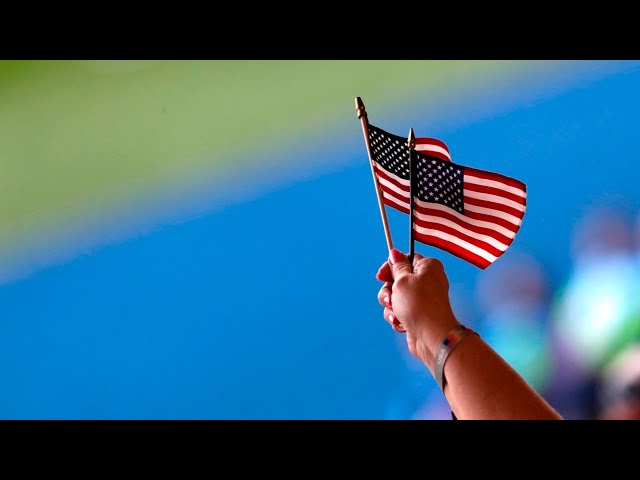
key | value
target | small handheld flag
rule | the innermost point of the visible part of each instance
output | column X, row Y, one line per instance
column 364, row 121
column 471, row 213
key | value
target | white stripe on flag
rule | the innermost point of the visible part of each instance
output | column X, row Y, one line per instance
column 395, row 177
column 443, row 221
column 429, row 147
column 455, row 240
column 495, row 213
column 387, row 184
column 492, row 183
column 494, row 198
column 396, row 200
column 478, row 223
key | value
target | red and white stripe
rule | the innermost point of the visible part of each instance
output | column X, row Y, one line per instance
column 433, row 147
column 494, row 206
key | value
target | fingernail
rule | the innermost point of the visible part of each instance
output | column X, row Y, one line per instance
column 391, row 317
column 395, row 256
column 386, row 301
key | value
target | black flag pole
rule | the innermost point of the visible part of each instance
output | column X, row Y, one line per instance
column 411, row 143
column 362, row 116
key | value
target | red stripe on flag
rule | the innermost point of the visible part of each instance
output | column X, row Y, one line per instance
column 422, row 207
column 490, row 218
column 433, row 153
column 474, row 228
column 389, row 178
column 432, row 141
column 433, row 147
column 456, row 233
column 512, row 182
column 495, row 191
column 396, row 196
column 395, row 205
column 453, row 249
column 498, row 207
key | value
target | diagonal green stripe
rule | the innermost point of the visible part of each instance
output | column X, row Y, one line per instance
column 75, row 135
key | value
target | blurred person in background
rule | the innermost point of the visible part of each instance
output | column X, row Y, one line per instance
column 596, row 314
column 476, row 381
column 618, row 392
column 513, row 296
column 618, row 386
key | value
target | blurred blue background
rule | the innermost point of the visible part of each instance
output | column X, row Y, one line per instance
column 254, row 296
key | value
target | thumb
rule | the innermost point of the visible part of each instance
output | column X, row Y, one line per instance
column 400, row 265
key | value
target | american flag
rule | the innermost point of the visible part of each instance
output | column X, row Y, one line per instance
column 473, row 214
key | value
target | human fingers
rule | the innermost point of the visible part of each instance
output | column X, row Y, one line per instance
column 391, row 319
column 384, row 295
column 384, row 273
column 388, row 315
column 397, row 327
column 423, row 264
column 400, row 265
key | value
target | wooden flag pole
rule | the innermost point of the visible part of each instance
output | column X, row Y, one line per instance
column 362, row 116
column 411, row 143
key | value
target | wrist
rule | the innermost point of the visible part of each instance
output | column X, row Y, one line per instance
column 430, row 336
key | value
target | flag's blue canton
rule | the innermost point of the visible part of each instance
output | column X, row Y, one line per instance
column 440, row 182
column 390, row 151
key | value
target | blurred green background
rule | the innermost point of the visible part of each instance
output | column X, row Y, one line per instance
column 81, row 135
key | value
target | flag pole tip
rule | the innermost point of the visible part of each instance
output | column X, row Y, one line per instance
column 411, row 141
column 360, row 107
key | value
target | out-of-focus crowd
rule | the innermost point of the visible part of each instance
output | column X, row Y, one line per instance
column 574, row 337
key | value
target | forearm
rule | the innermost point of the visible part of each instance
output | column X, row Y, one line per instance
column 481, row 385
